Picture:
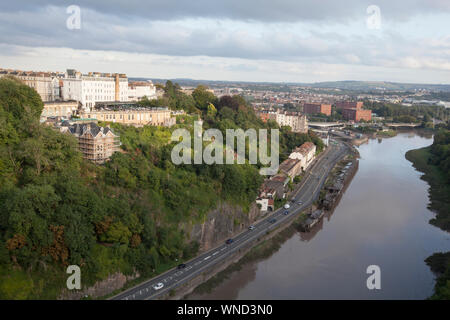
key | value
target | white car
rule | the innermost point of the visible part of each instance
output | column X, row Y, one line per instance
column 158, row 286
column 287, row 206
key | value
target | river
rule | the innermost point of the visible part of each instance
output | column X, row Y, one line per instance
column 382, row 219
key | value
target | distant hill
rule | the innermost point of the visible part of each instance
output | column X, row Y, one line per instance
column 349, row 85
column 380, row 85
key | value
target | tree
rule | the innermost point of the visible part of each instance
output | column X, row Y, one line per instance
column 203, row 97
column 118, row 232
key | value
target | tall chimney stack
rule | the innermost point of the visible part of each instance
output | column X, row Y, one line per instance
column 117, row 87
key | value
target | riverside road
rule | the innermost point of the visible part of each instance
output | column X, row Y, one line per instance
column 307, row 193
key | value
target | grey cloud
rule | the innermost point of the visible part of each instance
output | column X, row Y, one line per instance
column 243, row 10
column 46, row 28
column 132, row 31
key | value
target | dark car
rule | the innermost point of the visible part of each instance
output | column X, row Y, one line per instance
column 181, row 266
column 229, row 241
column 273, row 220
column 286, row 213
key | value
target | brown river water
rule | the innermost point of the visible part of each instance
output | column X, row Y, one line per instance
column 382, row 219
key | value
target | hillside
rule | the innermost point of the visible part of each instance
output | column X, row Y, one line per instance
column 126, row 216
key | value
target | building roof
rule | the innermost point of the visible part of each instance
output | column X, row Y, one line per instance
column 288, row 164
column 79, row 129
column 305, row 148
column 281, row 177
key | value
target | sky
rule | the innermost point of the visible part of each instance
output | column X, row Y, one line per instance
column 235, row 40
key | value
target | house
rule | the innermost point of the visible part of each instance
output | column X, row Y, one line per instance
column 304, row 154
column 97, row 144
column 130, row 114
column 314, row 108
column 272, row 189
column 61, row 109
column 291, row 167
column 267, row 204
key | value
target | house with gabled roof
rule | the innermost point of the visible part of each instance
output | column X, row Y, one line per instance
column 97, row 144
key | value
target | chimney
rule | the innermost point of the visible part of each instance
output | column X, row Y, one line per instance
column 117, row 87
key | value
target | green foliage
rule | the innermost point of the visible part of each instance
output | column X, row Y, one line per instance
column 203, row 98
column 440, row 265
column 173, row 98
column 125, row 216
column 440, row 151
column 407, row 114
column 15, row 285
column 434, row 162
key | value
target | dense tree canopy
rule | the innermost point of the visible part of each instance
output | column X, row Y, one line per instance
column 58, row 209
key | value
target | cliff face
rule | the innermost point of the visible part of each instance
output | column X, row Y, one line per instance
column 221, row 224
column 99, row 289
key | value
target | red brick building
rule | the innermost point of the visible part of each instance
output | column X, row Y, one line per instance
column 349, row 105
column 266, row 115
column 312, row 108
column 357, row 114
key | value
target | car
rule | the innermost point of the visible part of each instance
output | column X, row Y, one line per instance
column 229, row 241
column 300, row 202
column 286, row 213
column 181, row 266
column 158, row 286
column 251, row 228
column 273, row 220
column 287, row 206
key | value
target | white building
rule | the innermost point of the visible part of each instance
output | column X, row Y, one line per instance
column 94, row 87
column 140, row 89
column 305, row 154
column 297, row 121
column 46, row 84
column 62, row 109
column 266, row 204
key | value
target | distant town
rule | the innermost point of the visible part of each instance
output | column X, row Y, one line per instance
column 75, row 102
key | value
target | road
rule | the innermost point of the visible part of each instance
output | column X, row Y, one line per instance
column 307, row 193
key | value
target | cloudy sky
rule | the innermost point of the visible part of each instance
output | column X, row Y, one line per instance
column 248, row 40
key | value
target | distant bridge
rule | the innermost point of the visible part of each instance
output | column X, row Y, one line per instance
column 397, row 125
column 319, row 131
column 341, row 135
column 321, row 125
